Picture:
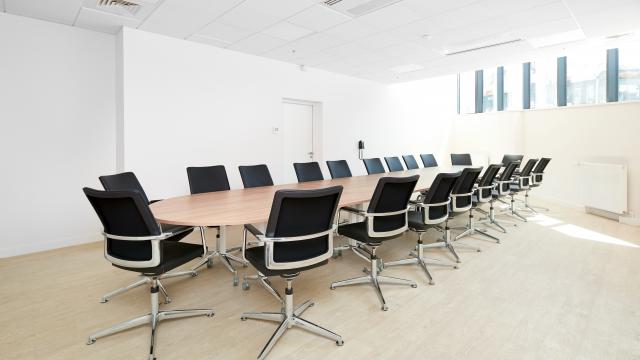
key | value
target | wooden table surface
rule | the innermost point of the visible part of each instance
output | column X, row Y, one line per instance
column 245, row 206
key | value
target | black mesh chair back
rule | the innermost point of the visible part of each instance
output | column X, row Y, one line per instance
column 462, row 193
column 439, row 193
column 538, row 171
column 525, row 175
column 374, row 166
column 508, row 158
column 203, row 179
column 339, row 169
column 125, row 213
column 123, row 181
column 461, row 159
column 428, row 160
column 298, row 213
column 485, row 184
column 504, row 180
column 411, row 162
column 391, row 194
column 255, row 176
column 309, row 171
column 393, row 163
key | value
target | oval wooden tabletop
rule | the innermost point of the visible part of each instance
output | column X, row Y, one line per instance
column 246, row 206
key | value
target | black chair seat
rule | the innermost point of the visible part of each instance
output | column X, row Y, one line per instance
column 255, row 256
column 173, row 255
column 416, row 222
column 358, row 232
column 515, row 187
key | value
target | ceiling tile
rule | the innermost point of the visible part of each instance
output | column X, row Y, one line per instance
column 61, row 11
column 315, row 43
column 351, row 30
column 181, row 18
column 431, row 8
column 318, row 18
column 248, row 17
column 224, row 32
column 280, row 8
column 346, row 50
column 103, row 22
column 257, row 44
column 287, row 31
column 613, row 21
column 390, row 17
column 209, row 41
column 379, row 41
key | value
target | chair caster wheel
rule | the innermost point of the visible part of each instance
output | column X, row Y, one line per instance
column 432, row 282
column 210, row 315
column 340, row 342
column 456, row 267
column 332, row 288
column 385, row 308
column 414, row 285
column 246, row 286
column 243, row 318
column 194, row 274
column 91, row 341
column 167, row 300
column 245, row 265
column 236, row 281
column 210, row 263
column 104, row 301
column 365, row 270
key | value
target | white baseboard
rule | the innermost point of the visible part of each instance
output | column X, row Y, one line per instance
column 627, row 220
column 29, row 248
column 633, row 221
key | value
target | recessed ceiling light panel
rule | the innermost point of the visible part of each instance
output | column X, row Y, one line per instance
column 406, row 68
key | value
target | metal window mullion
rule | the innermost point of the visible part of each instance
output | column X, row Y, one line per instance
column 613, row 71
column 479, row 91
column 562, row 80
column 500, row 90
column 526, row 85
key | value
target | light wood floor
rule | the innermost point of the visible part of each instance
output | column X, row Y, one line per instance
column 562, row 287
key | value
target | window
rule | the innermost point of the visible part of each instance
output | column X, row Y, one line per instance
column 587, row 78
column 544, row 78
column 468, row 92
column 513, row 87
column 489, row 90
column 629, row 73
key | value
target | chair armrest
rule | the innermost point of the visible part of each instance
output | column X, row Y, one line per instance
column 254, row 231
column 352, row 210
column 154, row 201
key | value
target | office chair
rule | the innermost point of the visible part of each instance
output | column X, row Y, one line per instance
column 298, row 237
column 461, row 160
column 374, row 166
column 338, row 169
column 204, row 179
column 502, row 189
column 462, row 202
column 519, row 183
column 384, row 219
column 309, row 171
column 410, row 161
column 481, row 195
column 128, row 181
column 431, row 211
column 393, row 163
column 255, row 176
column 536, row 179
column 134, row 241
column 508, row 158
column 428, row 160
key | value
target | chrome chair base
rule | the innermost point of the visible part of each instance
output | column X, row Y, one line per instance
column 144, row 280
column 417, row 258
column 512, row 211
column 491, row 219
column 374, row 279
column 471, row 230
column 529, row 207
column 288, row 318
column 153, row 318
column 224, row 255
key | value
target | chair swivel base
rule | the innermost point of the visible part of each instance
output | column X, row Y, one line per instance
column 144, row 280
column 153, row 319
column 417, row 258
column 471, row 230
column 529, row 207
column 491, row 220
column 288, row 318
column 225, row 257
column 373, row 279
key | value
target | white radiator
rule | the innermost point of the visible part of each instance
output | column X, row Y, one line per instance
column 603, row 186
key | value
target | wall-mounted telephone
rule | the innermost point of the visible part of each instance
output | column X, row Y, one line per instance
column 360, row 149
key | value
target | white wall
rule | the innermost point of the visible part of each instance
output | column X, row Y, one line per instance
column 567, row 135
column 191, row 104
column 57, row 105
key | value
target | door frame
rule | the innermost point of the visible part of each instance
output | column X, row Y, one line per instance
column 316, row 127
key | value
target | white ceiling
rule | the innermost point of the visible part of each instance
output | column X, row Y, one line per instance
column 409, row 34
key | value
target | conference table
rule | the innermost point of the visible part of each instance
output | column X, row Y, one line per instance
column 252, row 206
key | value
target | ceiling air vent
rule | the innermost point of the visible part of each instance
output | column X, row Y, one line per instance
column 119, row 7
column 355, row 8
column 480, row 47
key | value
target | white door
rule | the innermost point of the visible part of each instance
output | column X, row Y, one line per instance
column 297, row 135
